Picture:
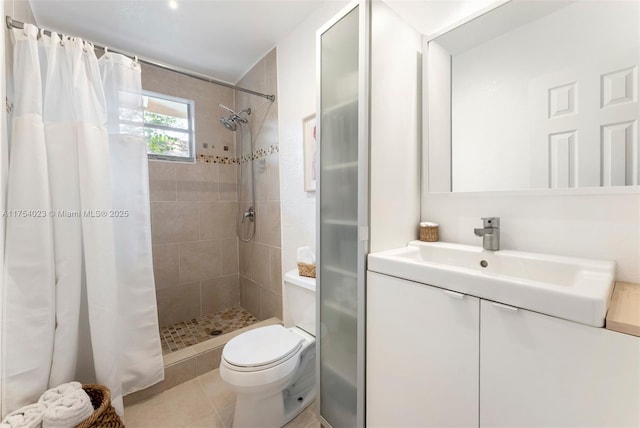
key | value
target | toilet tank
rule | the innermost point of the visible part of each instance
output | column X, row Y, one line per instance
column 300, row 301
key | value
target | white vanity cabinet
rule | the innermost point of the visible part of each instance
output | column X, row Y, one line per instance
column 422, row 355
column 438, row 359
column 537, row 370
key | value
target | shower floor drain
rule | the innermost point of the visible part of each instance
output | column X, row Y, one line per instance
column 186, row 333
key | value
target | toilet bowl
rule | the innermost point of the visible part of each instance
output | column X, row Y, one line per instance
column 272, row 369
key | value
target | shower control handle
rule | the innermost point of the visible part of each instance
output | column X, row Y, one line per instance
column 250, row 214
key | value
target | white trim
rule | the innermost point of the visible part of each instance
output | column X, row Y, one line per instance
column 3, row 184
column 466, row 19
column 191, row 131
column 604, row 191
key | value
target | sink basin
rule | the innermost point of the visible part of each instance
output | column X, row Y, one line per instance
column 575, row 289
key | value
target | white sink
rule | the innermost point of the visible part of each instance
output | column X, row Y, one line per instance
column 566, row 287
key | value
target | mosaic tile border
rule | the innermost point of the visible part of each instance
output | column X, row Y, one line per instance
column 186, row 333
column 225, row 160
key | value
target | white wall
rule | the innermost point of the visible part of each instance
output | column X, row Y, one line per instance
column 297, row 99
column 599, row 223
column 395, row 130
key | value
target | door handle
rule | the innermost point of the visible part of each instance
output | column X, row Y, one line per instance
column 458, row 296
column 505, row 307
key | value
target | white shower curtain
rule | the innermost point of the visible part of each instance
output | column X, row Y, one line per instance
column 141, row 360
column 77, row 250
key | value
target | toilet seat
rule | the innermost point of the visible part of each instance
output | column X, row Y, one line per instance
column 261, row 348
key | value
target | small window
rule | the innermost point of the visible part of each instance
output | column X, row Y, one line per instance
column 168, row 127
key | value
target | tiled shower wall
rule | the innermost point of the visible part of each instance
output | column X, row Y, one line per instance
column 193, row 209
column 260, row 259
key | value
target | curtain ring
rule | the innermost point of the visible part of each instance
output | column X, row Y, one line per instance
column 134, row 64
column 39, row 33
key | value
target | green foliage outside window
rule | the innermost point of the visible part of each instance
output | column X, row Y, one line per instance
column 157, row 140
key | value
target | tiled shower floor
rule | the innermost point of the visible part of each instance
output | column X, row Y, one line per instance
column 182, row 334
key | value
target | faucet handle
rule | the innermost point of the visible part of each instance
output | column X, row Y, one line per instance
column 493, row 222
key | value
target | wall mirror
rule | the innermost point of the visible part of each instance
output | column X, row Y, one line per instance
column 535, row 95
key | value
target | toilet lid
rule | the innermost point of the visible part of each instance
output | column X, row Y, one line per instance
column 261, row 346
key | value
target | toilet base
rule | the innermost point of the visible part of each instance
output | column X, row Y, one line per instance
column 277, row 407
column 269, row 412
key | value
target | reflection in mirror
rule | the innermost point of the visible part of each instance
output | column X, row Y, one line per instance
column 535, row 95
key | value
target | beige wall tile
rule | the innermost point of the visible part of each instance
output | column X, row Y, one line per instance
column 244, row 174
column 174, row 222
column 262, row 182
column 162, row 181
column 143, row 395
column 203, row 95
column 229, row 256
column 271, row 61
column 245, row 253
column 158, row 80
column 197, row 182
column 250, row 296
column 268, row 223
column 218, row 220
column 220, row 293
column 268, row 178
column 199, row 260
column 255, row 79
column 259, row 264
column 208, row 361
column 267, row 125
column 166, row 265
column 227, row 182
column 271, row 304
column 273, row 177
column 177, row 304
column 275, row 270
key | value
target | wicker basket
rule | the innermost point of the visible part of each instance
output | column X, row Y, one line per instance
column 104, row 415
column 429, row 232
column 307, row 270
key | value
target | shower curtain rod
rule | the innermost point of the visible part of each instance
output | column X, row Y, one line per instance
column 12, row 23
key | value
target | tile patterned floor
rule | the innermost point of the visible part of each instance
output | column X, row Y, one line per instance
column 201, row 402
column 180, row 335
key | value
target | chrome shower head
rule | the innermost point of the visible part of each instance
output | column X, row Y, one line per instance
column 229, row 123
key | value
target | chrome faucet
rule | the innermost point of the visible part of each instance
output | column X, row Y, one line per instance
column 490, row 233
column 249, row 214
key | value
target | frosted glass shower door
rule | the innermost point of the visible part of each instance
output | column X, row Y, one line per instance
column 340, row 212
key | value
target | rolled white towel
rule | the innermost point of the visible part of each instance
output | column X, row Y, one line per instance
column 25, row 417
column 52, row 395
column 69, row 411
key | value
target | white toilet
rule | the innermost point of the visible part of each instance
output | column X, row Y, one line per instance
column 272, row 369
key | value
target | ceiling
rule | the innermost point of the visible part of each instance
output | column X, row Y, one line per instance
column 218, row 38
column 432, row 16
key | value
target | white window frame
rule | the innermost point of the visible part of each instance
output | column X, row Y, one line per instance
column 190, row 130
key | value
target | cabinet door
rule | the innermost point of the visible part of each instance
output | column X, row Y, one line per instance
column 537, row 370
column 422, row 355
